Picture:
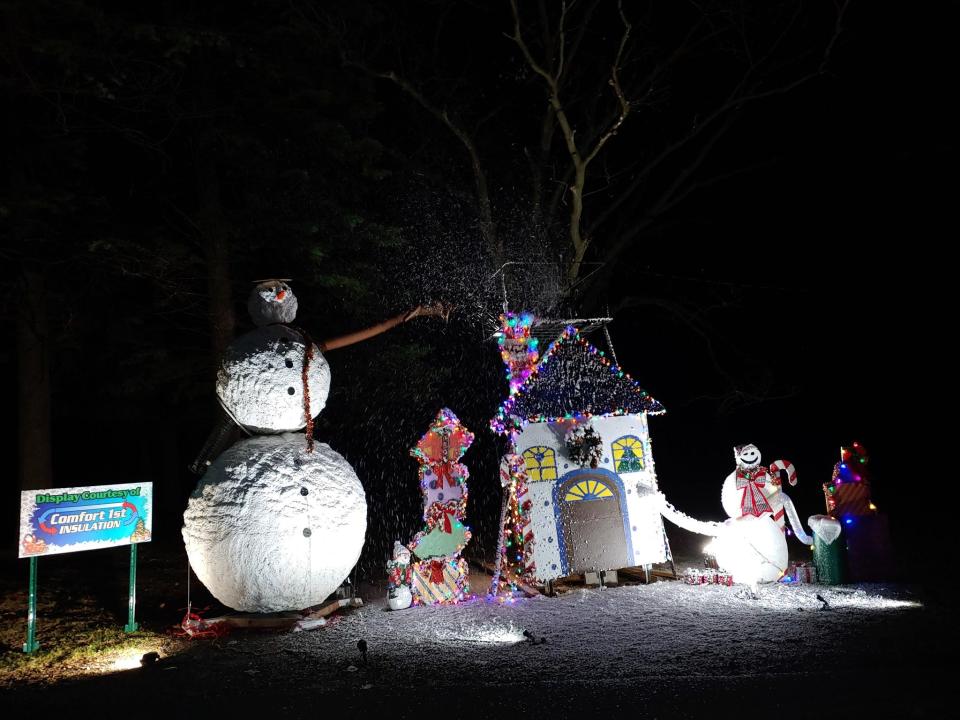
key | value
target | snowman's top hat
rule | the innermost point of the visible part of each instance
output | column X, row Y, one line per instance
column 271, row 280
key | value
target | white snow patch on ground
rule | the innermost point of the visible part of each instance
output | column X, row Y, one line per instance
column 612, row 635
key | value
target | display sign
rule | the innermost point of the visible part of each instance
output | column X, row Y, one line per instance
column 65, row 520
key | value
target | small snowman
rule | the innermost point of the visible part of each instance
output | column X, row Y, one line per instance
column 398, row 578
column 276, row 522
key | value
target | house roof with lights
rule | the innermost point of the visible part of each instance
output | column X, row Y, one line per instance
column 573, row 380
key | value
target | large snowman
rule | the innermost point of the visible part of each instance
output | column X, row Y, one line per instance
column 277, row 521
column 751, row 545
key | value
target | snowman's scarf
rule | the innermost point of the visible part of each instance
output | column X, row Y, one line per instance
column 304, row 380
column 753, row 501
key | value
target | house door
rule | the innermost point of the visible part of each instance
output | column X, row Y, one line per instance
column 591, row 510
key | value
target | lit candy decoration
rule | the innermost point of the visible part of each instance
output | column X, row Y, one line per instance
column 441, row 575
column 515, row 542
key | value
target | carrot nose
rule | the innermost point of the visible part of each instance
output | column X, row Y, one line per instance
column 281, row 294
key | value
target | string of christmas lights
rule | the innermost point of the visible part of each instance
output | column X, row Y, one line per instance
column 514, row 560
column 568, row 387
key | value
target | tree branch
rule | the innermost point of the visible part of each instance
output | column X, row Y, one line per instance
column 487, row 225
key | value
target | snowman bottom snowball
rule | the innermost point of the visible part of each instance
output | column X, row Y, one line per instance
column 271, row 527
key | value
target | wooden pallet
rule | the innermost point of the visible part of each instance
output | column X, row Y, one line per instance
column 282, row 620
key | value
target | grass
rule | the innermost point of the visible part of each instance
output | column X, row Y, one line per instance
column 73, row 652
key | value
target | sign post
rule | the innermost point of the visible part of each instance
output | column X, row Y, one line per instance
column 31, row 644
column 131, row 626
column 65, row 520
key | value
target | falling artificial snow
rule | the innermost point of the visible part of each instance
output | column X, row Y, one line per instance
column 275, row 523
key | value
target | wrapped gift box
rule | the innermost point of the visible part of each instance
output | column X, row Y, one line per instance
column 850, row 498
column 805, row 573
column 707, row 576
column 453, row 587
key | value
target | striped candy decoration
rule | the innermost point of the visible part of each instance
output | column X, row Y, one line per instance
column 505, row 477
column 526, row 530
column 777, row 465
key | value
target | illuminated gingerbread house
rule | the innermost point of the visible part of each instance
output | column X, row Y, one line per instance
column 590, row 494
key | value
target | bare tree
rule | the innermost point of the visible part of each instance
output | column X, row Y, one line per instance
column 594, row 202
column 581, row 153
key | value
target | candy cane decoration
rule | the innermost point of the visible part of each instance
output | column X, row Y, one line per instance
column 777, row 465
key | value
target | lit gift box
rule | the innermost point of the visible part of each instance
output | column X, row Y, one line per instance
column 805, row 573
column 439, row 581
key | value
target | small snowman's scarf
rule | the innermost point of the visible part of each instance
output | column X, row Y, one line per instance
column 753, row 501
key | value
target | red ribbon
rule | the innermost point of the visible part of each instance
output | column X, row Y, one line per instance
column 436, row 572
column 753, row 501
column 444, row 471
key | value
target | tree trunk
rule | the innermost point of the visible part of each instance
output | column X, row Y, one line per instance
column 216, row 247
column 33, row 383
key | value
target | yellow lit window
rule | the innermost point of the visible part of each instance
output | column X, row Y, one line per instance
column 541, row 463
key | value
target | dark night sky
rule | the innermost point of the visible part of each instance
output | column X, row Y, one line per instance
column 825, row 253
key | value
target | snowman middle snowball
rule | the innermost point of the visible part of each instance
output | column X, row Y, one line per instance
column 260, row 380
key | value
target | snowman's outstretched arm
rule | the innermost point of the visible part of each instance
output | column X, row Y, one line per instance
column 795, row 521
column 709, row 528
column 380, row 328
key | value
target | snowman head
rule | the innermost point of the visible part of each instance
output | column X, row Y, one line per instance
column 747, row 456
column 272, row 301
column 401, row 555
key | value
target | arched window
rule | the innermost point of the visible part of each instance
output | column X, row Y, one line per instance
column 587, row 490
column 628, row 454
column 541, row 463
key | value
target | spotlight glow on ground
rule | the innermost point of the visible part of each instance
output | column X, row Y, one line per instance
column 127, row 659
column 490, row 633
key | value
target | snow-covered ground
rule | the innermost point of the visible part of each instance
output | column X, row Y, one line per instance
column 618, row 632
column 662, row 650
